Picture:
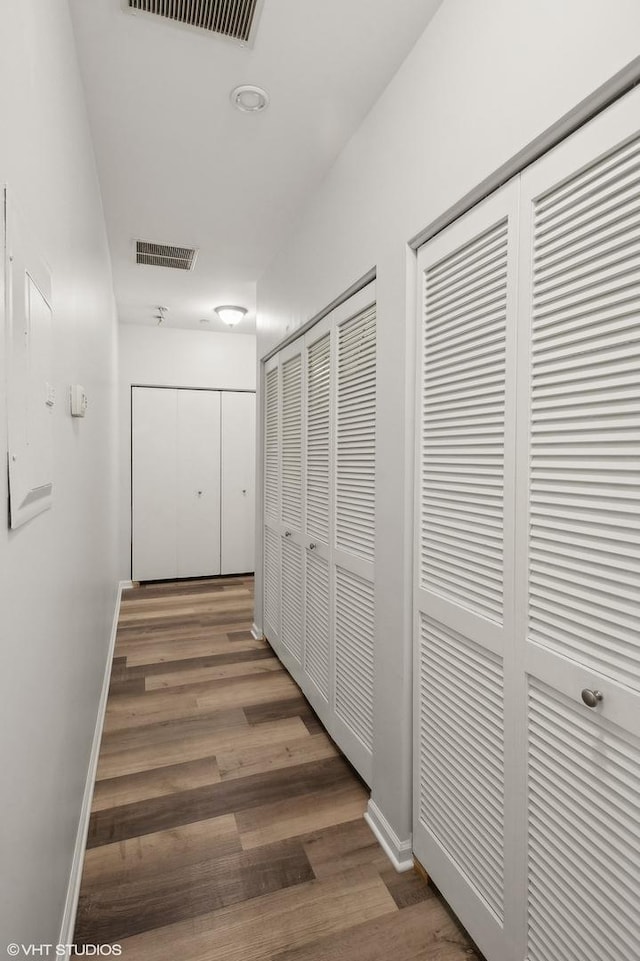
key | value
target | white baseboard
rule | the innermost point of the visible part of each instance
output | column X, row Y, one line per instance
column 256, row 633
column 399, row 852
column 73, row 889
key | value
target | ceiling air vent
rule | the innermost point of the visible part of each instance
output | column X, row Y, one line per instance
column 162, row 255
column 235, row 19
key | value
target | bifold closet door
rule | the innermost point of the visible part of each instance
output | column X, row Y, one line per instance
column 319, row 465
column 464, row 732
column 292, row 373
column 198, row 500
column 353, row 568
column 154, row 483
column 527, row 752
column 271, row 502
column 579, row 531
column 176, row 483
column 319, row 518
column 238, row 482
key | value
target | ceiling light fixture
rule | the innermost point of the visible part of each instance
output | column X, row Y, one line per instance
column 249, row 98
column 230, row 315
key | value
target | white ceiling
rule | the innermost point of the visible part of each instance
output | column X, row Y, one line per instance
column 179, row 165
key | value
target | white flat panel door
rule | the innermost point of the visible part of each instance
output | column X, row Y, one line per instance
column 579, row 534
column 238, row 482
column 465, row 465
column 198, row 450
column 155, row 483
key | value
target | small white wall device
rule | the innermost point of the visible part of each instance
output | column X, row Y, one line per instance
column 79, row 400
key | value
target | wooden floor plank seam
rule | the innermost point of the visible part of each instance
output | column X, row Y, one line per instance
column 226, row 825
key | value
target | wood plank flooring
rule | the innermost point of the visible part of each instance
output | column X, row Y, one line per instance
column 226, row 825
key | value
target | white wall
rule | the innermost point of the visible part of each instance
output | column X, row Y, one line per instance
column 483, row 81
column 171, row 357
column 57, row 572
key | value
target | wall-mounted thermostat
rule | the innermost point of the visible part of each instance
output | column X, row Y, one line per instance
column 78, row 400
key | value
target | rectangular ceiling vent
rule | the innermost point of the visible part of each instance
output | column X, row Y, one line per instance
column 162, row 255
column 235, row 19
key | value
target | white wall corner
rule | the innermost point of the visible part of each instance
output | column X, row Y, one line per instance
column 399, row 852
column 73, row 889
column 256, row 632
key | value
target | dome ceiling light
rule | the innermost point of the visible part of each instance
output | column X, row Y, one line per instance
column 230, row 315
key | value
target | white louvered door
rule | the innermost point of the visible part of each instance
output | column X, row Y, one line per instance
column 318, row 641
column 354, row 537
column 292, row 378
column 527, row 672
column 272, row 497
column 579, row 528
column 319, row 452
column 464, row 734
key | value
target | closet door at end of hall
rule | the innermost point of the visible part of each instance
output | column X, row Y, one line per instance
column 579, row 561
column 463, row 592
column 271, row 508
column 154, row 427
column 292, row 507
column 354, row 531
column 198, row 494
column 318, row 647
column 238, row 482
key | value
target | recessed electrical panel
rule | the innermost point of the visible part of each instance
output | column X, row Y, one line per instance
column 31, row 396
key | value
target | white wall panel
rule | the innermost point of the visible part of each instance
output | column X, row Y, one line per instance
column 58, row 572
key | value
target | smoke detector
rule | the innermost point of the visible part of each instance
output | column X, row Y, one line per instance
column 249, row 98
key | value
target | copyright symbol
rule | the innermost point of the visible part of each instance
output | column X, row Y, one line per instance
column 13, row 950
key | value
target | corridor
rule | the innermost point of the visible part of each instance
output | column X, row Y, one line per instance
column 226, row 826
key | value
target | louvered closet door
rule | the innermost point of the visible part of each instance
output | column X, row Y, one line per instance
column 354, row 540
column 292, row 505
column 579, row 567
column 271, row 532
column 464, row 561
column 318, row 488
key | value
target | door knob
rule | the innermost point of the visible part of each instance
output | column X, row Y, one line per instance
column 591, row 698
column 287, row 533
column 312, row 547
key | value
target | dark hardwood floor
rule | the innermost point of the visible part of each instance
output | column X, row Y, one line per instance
column 226, row 826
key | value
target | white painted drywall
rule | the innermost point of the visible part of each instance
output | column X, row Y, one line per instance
column 57, row 572
column 482, row 81
column 171, row 357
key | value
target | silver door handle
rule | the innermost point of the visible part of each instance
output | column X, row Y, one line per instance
column 591, row 698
